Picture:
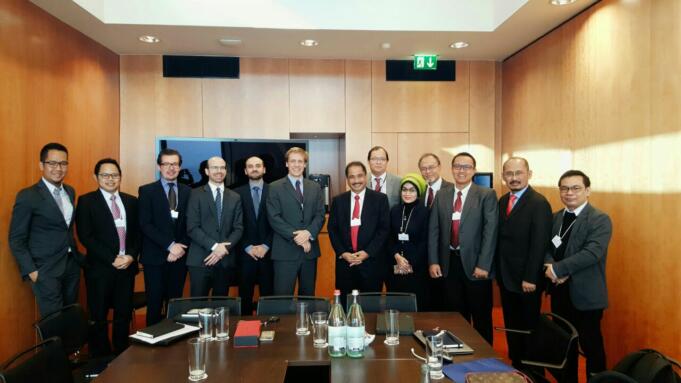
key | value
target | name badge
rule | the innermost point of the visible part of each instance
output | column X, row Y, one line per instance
column 119, row 222
column 355, row 222
column 174, row 214
column 456, row 216
column 556, row 241
column 402, row 237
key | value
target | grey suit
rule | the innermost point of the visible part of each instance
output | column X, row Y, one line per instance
column 286, row 215
column 477, row 242
column 392, row 183
column 203, row 229
column 40, row 240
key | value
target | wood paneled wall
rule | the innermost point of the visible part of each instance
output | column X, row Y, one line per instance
column 57, row 85
column 602, row 94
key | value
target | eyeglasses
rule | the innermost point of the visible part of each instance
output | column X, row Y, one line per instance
column 378, row 159
column 55, row 164
column 517, row 173
column 574, row 189
column 170, row 164
column 216, row 168
column 465, row 167
column 109, row 176
column 428, row 168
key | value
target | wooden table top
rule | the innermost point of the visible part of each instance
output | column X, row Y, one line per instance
column 269, row 361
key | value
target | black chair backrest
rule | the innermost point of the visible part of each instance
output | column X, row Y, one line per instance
column 180, row 306
column 70, row 324
column 48, row 364
column 551, row 341
column 649, row 366
column 379, row 302
column 286, row 304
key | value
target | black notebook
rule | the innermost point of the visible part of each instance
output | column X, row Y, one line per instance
column 165, row 326
column 406, row 324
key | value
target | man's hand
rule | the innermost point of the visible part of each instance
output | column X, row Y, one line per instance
column 33, row 276
column 349, row 258
column 177, row 250
column 301, row 236
column 549, row 273
column 435, row 271
column 528, row 287
column 212, row 258
column 479, row 273
column 221, row 249
column 253, row 252
column 122, row 261
column 307, row 247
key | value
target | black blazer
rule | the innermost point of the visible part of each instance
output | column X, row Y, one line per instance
column 522, row 240
column 97, row 231
column 416, row 248
column 373, row 233
column 257, row 231
column 158, row 228
column 38, row 235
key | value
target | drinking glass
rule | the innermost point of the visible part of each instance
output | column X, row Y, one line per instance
column 196, row 348
column 302, row 319
column 392, row 327
column 320, row 326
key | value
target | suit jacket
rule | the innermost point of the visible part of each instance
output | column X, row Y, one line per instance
column 477, row 230
column 522, row 239
column 286, row 216
column 159, row 229
column 585, row 256
column 392, row 183
column 373, row 233
column 445, row 184
column 38, row 236
column 202, row 225
column 257, row 231
column 97, row 231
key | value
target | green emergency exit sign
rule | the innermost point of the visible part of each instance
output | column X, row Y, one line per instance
column 425, row 62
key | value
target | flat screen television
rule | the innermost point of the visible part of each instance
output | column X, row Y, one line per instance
column 484, row 179
column 196, row 151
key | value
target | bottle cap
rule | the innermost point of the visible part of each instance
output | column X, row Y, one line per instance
column 355, row 292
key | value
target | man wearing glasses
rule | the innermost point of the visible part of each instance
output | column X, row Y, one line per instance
column 214, row 224
column 163, row 221
column 41, row 234
column 461, row 244
column 429, row 166
column 108, row 227
column 380, row 180
column 576, row 266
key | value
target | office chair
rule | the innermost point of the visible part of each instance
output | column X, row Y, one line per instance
column 179, row 306
column 286, row 304
column 44, row 362
column 379, row 302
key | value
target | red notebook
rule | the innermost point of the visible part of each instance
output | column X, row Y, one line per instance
column 247, row 333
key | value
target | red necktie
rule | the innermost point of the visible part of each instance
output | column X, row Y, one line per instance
column 456, row 222
column 377, row 187
column 511, row 201
column 430, row 196
column 354, row 230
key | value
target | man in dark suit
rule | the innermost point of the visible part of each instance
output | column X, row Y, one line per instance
column 214, row 224
column 255, row 262
column 295, row 209
column 461, row 244
column 524, row 229
column 108, row 227
column 429, row 166
column 163, row 221
column 41, row 233
column 359, row 223
column 576, row 266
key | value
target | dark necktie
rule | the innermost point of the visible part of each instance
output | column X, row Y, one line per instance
column 430, row 196
column 299, row 192
column 354, row 230
column 377, row 186
column 218, row 206
column 172, row 196
column 256, row 200
column 456, row 222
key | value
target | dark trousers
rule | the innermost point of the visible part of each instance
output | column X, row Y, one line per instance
column 162, row 283
column 472, row 299
column 286, row 273
column 109, row 289
column 588, row 325
column 53, row 293
column 436, row 292
column 364, row 277
column 203, row 279
column 253, row 272
column 521, row 312
column 415, row 283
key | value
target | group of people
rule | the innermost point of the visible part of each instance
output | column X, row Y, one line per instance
column 445, row 242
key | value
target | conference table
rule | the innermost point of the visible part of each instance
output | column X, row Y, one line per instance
column 294, row 355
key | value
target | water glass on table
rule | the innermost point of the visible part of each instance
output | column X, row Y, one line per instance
column 434, row 349
column 196, row 349
column 206, row 322
column 221, row 317
column 320, row 327
column 302, row 319
column 392, row 327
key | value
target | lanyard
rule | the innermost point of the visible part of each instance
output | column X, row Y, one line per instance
column 566, row 230
column 403, row 226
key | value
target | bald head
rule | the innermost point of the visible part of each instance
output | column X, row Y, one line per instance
column 516, row 173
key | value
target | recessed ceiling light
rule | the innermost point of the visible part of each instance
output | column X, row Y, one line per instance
column 230, row 42
column 309, row 43
column 458, row 44
column 561, row 2
column 386, row 45
column 149, row 39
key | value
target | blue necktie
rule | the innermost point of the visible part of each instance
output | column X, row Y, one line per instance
column 218, row 206
column 256, row 200
column 299, row 192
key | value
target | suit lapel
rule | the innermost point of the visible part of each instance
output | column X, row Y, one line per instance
column 210, row 201
column 471, row 201
column 46, row 195
column 519, row 203
column 577, row 228
column 102, row 205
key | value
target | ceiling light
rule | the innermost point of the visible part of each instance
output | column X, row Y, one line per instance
column 561, row 2
column 386, row 45
column 458, row 44
column 149, row 39
column 309, row 43
column 230, row 42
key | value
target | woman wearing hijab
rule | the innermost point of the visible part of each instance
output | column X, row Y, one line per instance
column 409, row 241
